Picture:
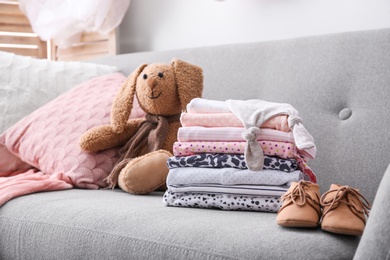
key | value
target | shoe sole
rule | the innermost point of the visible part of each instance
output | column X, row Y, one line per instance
column 342, row 231
column 298, row 224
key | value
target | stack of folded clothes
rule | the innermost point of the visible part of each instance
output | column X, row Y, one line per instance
column 228, row 161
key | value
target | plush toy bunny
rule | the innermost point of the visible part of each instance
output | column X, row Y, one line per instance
column 163, row 91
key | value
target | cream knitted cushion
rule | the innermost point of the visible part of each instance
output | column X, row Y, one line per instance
column 27, row 83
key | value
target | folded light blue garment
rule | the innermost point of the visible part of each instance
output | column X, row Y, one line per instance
column 231, row 176
column 254, row 190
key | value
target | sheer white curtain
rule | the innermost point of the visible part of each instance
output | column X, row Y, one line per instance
column 64, row 20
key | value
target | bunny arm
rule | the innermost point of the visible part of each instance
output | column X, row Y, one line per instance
column 104, row 137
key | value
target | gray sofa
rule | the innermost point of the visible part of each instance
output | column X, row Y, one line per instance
column 339, row 83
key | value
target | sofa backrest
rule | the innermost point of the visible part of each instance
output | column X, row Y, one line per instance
column 339, row 83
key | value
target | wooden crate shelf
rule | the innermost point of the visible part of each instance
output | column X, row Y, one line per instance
column 91, row 45
column 16, row 35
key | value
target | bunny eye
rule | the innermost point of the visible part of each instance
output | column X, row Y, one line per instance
column 160, row 74
column 145, row 76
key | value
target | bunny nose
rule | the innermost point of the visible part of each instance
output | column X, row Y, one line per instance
column 152, row 82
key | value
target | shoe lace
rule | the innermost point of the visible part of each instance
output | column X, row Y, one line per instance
column 300, row 192
column 343, row 195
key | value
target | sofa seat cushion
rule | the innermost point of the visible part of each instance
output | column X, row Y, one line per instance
column 106, row 224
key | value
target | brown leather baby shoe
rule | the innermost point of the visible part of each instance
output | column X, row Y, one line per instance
column 301, row 207
column 345, row 210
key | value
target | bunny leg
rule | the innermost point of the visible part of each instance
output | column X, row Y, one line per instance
column 145, row 174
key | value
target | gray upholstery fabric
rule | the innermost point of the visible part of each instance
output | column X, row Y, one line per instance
column 375, row 243
column 326, row 78
column 105, row 224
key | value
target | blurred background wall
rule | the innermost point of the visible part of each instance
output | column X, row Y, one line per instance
column 169, row 24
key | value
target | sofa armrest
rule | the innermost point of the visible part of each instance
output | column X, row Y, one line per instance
column 375, row 242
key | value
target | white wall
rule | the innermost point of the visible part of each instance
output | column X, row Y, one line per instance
column 170, row 24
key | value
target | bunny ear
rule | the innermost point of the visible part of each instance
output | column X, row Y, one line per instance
column 189, row 81
column 123, row 102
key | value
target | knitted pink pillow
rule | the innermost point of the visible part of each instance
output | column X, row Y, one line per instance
column 48, row 138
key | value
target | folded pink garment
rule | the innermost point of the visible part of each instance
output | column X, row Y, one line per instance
column 29, row 182
column 272, row 148
column 230, row 120
column 231, row 134
column 234, row 134
column 306, row 169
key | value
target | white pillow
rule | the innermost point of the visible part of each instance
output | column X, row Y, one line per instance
column 27, row 83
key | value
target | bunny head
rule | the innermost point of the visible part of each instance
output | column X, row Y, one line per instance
column 161, row 89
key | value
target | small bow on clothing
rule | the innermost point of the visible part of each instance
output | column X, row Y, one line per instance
column 253, row 151
column 303, row 139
